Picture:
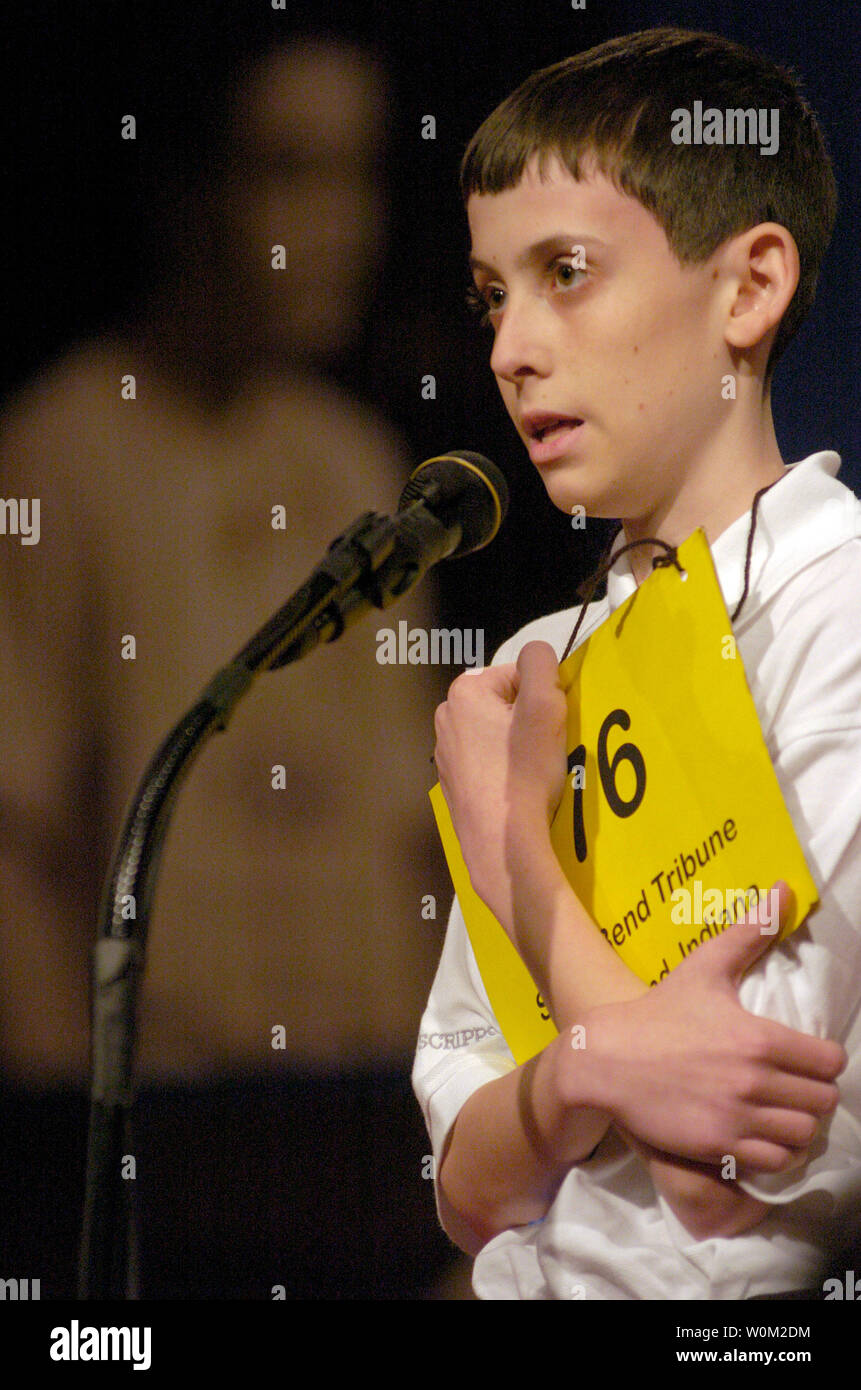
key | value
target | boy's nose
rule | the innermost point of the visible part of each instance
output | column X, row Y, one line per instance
column 521, row 344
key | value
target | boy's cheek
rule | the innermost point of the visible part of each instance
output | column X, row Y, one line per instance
column 509, row 400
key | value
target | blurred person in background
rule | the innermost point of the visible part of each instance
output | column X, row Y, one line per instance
column 158, row 455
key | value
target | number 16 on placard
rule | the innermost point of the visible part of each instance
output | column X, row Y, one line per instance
column 607, row 771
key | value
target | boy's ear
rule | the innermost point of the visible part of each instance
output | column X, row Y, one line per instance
column 764, row 266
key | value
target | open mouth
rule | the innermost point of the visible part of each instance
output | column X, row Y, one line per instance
column 555, row 426
column 551, row 436
column 541, row 424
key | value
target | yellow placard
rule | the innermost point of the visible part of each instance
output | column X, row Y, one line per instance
column 672, row 821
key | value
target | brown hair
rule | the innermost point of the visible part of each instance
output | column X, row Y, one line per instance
column 614, row 104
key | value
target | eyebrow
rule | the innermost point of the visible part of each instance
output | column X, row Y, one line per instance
column 538, row 252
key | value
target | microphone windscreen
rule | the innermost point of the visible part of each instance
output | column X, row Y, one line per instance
column 461, row 486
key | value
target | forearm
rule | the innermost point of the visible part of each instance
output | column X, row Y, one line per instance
column 702, row 1199
column 514, row 1141
column 572, row 963
column 576, row 968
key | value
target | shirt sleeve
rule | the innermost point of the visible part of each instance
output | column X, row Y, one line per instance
column 460, row 1048
column 812, row 981
column 460, row 1044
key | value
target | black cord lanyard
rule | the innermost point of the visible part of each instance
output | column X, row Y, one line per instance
column 669, row 557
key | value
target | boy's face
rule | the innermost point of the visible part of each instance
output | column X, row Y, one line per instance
column 631, row 347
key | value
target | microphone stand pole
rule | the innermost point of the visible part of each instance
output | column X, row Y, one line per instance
column 373, row 563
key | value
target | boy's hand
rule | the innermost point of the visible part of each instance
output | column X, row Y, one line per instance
column 501, row 759
column 690, row 1072
column 683, row 1067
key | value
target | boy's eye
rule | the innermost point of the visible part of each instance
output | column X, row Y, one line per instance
column 566, row 274
column 484, row 302
column 490, row 299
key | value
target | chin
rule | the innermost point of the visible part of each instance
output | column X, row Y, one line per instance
column 566, row 494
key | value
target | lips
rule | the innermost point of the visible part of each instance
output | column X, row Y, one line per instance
column 550, row 434
column 543, row 423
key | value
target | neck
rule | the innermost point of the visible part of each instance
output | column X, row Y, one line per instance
column 716, row 489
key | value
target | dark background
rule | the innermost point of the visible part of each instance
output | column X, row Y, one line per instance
column 82, row 202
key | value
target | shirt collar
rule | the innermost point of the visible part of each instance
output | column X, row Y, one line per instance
column 804, row 515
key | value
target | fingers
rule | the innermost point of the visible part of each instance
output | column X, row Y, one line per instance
column 538, row 660
column 740, row 946
column 470, row 687
column 775, row 1141
column 760, row 1156
column 787, row 1115
column 540, row 697
column 791, row 1129
column 538, row 672
column 536, row 675
column 801, row 1094
column 799, row 1053
column 502, row 681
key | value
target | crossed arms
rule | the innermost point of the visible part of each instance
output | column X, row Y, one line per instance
column 685, row 1074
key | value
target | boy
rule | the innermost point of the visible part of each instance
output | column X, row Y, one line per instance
column 599, row 1172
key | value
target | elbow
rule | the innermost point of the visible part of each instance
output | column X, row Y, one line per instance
column 472, row 1219
column 462, row 1222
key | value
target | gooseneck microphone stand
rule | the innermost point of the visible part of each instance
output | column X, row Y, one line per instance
column 373, row 563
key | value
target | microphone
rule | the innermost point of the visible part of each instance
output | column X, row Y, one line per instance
column 465, row 492
column 452, row 504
